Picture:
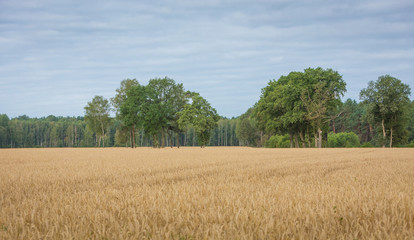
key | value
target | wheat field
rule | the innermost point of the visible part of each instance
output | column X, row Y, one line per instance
column 209, row 193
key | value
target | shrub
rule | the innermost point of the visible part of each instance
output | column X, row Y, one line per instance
column 344, row 139
column 409, row 145
column 278, row 141
column 367, row 145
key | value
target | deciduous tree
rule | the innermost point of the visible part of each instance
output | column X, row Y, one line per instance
column 201, row 116
column 388, row 100
column 97, row 117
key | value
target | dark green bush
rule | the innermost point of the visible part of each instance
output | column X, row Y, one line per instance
column 344, row 139
column 409, row 145
column 278, row 141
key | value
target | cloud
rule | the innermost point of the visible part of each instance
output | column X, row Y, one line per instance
column 226, row 50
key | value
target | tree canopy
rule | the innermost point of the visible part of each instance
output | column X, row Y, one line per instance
column 201, row 116
column 299, row 104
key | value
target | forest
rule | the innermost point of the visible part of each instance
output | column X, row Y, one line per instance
column 302, row 109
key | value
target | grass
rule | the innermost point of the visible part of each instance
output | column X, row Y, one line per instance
column 210, row 193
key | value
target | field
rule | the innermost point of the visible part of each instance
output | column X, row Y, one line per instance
column 209, row 193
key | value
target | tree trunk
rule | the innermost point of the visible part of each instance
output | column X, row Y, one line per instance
column 142, row 138
column 291, row 140
column 384, row 136
column 226, row 135
column 302, row 139
column 296, row 140
column 333, row 126
column 170, row 137
column 370, row 131
column 133, row 137
column 319, row 137
column 130, row 137
column 155, row 141
column 391, row 137
column 162, row 138
column 178, row 140
column 261, row 138
column 194, row 138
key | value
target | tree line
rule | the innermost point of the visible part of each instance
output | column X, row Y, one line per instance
column 52, row 131
column 302, row 109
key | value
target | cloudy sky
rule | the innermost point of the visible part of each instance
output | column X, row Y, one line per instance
column 55, row 56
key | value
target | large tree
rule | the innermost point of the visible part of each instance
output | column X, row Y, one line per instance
column 118, row 101
column 388, row 101
column 97, row 117
column 300, row 103
column 132, row 109
column 166, row 99
column 199, row 115
column 322, row 93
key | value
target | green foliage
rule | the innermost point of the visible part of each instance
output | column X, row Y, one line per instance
column 299, row 103
column 246, row 129
column 410, row 122
column 126, row 108
column 131, row 111
column 4, row 126
column 97, row 117
column 366, row 145
column 165, row 99
column 343, row 139
column 225, row 133
column 278, row 141
column 409, row 145
column 199, row 115
column 388, row 102
column 121, row 93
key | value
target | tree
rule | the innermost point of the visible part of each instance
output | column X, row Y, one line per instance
column 199, row 115
column 298, row 103
column 166, row 99
column 118, row 101
column 97, row 117
column 321, row 94
column 411, row 123
column 388, row 101
column 132, row 110
column 245, row 129
column 4, row 130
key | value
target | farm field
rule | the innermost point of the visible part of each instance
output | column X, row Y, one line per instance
column 209, row 193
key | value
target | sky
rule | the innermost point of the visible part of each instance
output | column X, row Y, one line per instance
column 55, row 56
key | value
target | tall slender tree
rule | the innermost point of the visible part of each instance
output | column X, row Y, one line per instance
column 97, row 117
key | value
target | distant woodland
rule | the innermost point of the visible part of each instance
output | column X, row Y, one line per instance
column 302, row 110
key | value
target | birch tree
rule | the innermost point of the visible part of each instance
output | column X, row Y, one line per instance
column 97, row 117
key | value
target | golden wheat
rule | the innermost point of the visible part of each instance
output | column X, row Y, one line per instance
column 210, row 193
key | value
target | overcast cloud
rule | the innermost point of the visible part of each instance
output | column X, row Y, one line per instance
column 55, row 56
